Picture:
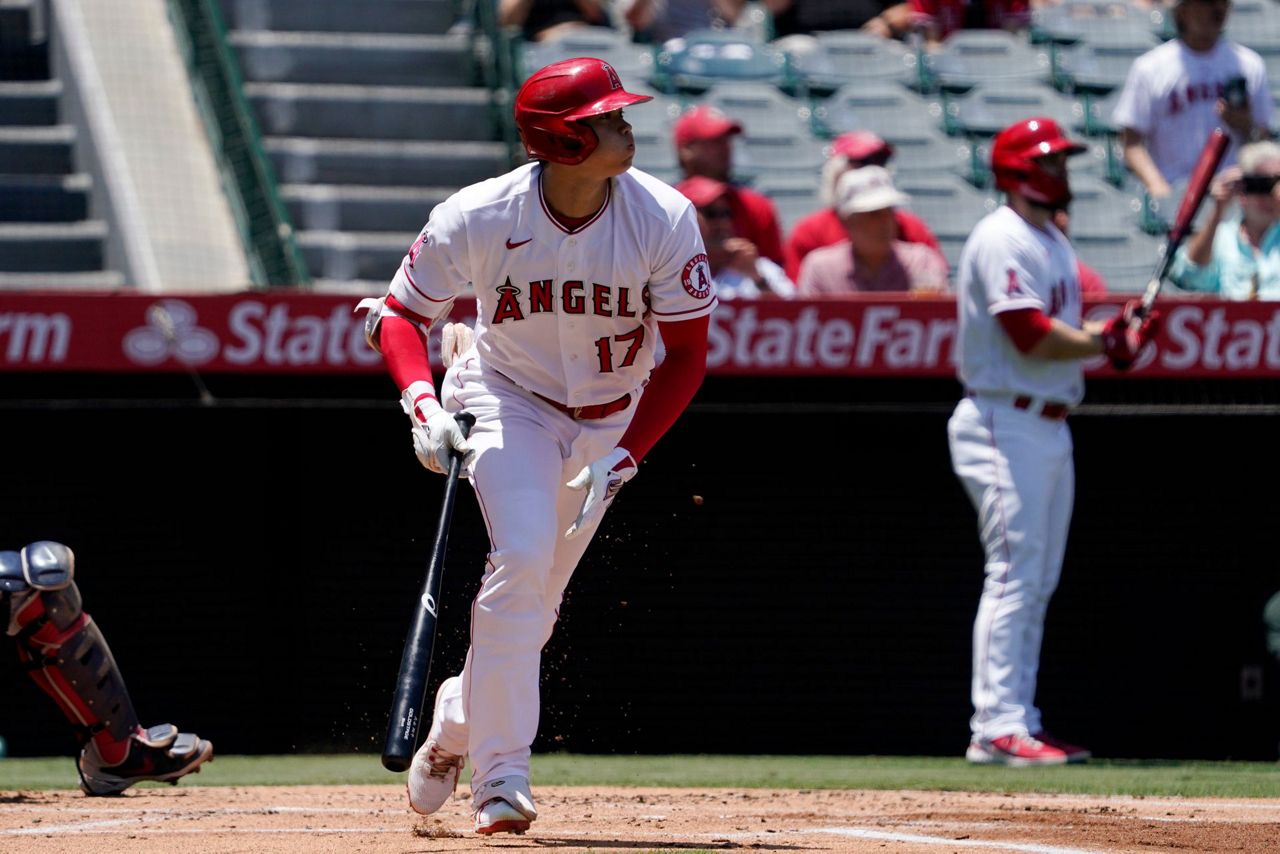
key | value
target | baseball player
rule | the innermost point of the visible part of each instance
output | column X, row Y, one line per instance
column 578, row 263
column 1020, row 345
column 65, row 653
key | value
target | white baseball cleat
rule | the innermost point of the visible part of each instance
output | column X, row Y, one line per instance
column 504, row 805
column 434, row 773
column 433, row 776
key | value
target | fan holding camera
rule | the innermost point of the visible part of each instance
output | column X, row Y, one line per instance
column 1236, row 254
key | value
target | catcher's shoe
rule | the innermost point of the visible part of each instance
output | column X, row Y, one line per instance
column 159, row 753
column 1075, row 753
column 1018, row 751
column 504, row 805
column 434, row 772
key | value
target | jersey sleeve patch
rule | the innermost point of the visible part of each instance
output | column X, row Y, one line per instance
column 696, row 277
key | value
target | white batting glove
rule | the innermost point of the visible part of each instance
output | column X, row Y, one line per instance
column 436, row 435
column 455, row 339
column 602, row 480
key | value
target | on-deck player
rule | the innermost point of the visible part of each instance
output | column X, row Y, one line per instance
column 578, row 263
column 1021, row 342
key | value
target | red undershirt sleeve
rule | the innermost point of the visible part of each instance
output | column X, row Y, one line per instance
column 671, row 386
column 1026, row 327
column 404, row 347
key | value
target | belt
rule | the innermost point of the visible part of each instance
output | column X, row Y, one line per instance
column 588, row 413
column 1051, row 409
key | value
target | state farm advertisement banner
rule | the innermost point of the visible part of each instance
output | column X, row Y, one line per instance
column 290, row 332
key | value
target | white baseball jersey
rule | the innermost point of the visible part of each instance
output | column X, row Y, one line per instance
column 568, row 315
column 1171, row 96
column 1008, row 264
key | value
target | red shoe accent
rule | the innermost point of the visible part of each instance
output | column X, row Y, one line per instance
column 1015, row 750
column 1075, row 753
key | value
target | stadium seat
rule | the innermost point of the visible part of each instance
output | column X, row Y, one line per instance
column 794, row 196
column 759, row 107
column 987, row 111
column 1125, row 259
column 1087, row 20
column 1101, row 65
column 782, row 154
column 1253, row 22
column 971, row 58
column 842, row 57
column 1094, row 116
column 949, row 205
column 1101, row 204
column 888, row 110
column 700, row 59
column 633, row 62
column 934, row 154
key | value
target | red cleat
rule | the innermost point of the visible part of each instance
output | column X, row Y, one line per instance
column 1075, row 753
column 1018, row 751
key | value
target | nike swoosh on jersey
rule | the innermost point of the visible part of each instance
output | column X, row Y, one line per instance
column 511, row 245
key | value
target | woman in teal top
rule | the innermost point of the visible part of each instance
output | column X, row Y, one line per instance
column 1238, row 257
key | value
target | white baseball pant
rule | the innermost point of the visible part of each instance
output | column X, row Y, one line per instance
column 1018, row 470
column 525, row 453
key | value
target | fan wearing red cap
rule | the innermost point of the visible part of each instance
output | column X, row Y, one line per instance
column 703, row 138
column 578, row 265
column 737, row 268
column 851, row 150
column 1020, row 343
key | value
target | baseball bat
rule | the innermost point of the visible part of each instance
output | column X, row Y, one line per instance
column 1206, row 166
column 415, row 662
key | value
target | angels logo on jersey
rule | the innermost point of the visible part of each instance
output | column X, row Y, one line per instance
column 696, row 277
column 1014, row 289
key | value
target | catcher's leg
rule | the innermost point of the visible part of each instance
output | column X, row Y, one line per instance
column 65, row 653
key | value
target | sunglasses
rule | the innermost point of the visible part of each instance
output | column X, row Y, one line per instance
column 1258, row 185
column 880, row 158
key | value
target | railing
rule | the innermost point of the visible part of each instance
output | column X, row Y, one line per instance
column 263, row 221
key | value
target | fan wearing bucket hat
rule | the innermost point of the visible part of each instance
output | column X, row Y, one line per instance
column 737, row 268
column 870, row 258
column 1176, row 94
column 851, row 150
column 703, row 138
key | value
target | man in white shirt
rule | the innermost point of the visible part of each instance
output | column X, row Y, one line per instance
column 1177, row 93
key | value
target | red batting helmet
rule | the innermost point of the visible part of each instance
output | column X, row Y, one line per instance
column 1015, row 161
column 551, row 104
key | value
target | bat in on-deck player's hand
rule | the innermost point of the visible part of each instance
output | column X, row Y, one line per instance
column 1198, row 185
column 415, row 662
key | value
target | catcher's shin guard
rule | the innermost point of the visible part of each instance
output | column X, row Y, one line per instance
column 59, row 645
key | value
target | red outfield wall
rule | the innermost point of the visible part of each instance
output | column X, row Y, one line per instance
column 284, row 332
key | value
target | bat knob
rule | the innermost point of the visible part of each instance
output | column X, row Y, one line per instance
column 465, row 421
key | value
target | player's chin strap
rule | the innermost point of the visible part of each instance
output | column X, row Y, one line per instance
column 60, row 645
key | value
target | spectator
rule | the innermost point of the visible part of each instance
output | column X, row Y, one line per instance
column 1177, row 93
column 822, row 228
column 737, row 270
column 800, row 17
column 1091, row 282
column 546, row 20
column 704, row 146
column 660, row 20
column 1239, row 257
column 871, row 258
column 937, row 19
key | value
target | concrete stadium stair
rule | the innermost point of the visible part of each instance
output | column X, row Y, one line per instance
column 47, row 236
column 371, row 113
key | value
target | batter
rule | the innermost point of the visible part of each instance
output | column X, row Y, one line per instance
column 578, row 264
column 1020, row 346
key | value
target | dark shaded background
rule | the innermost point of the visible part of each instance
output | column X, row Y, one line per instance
column 253, row 567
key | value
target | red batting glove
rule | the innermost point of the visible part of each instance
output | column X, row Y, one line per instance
column 1127, row 333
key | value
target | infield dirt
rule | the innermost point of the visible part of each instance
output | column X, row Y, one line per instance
column 376, row 819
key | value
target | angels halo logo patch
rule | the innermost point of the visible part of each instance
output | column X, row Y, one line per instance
column 696, row 277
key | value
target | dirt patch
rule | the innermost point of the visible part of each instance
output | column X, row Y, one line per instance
column 376, row 819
